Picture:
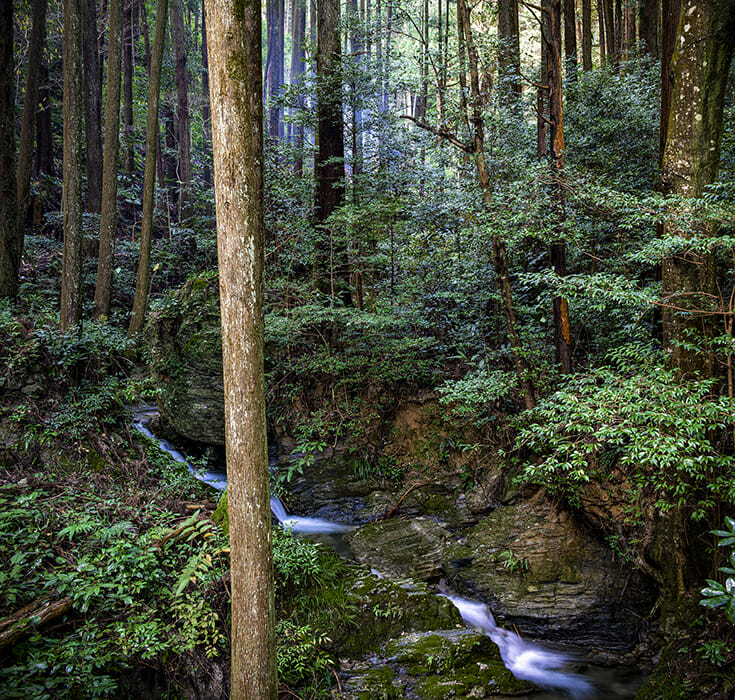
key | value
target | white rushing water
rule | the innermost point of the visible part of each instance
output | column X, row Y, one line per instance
column 218, row 480
column 525, row 660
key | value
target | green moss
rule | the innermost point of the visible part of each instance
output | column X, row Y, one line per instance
column 221, row 515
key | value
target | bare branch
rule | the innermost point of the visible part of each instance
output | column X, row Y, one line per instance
column 441, row 132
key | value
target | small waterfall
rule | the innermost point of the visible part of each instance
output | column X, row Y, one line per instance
column 306, row 526
column 218, row 480
column 525, row 660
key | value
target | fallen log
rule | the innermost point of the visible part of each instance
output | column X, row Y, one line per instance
column 22, row 622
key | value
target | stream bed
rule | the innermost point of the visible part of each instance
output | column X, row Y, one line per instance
column 550, row 670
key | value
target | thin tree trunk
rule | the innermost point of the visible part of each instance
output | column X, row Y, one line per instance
column 9, row 230
column 44, row 131
column 140, row 302
column 499, row 253
column 28, row 123
column 92, row 106
column 650, row 16
column 236, row 97
column 298, row 31
column 71, row 274
column 562, row 337
column 108, row 219
column 570, row 40
column 610, row 45
column 274, row 64
column 509, row 53
column 601, row 30
column 128, row 69
column 206, row 111
column 586, row 35
column 331, row 253
column 182, row 113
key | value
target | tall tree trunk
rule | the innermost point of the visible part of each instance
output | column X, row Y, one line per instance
column 650, row 15
column 570, row 40
column 509, row 53
column 298, row 55
column 182, row 113
column 236, row 96
column 500, row 260
column 206, row 111
column 44, row 130
column 699, row 69
column 618, row 31
column 108, row 219
column 610, row 44
column 562, row 338
column 28, row 124
column 9, row 232
column 670, row 11
column 274, row 64
column 601, row 24
column 586, row 35
column 331, row 254
column 71, row 274
column 542, row 91
column 128, row 69
column 140, row 302
column 630, row 30
column 92, row 106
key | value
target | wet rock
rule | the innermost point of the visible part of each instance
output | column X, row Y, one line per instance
column 399, row 547
column 384, row 609
column 540, row 570
column 442, row 664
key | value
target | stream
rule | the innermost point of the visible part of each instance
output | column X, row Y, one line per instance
column 529, row 661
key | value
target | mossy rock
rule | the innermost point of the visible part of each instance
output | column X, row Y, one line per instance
column 384, row 609
column 436, row 665
column 185, row 343
column 221, row 514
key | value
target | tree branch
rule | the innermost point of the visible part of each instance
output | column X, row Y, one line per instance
column 441, row 132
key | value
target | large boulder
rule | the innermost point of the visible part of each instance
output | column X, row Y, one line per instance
column 185, row 343
column 539, row 569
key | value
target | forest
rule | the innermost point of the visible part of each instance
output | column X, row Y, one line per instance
column 367, row 350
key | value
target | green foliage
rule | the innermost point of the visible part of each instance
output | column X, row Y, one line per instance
column 121, row 565
column 722, row 595
column 668, row 439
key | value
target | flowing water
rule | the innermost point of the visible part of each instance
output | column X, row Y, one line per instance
column 544, row 666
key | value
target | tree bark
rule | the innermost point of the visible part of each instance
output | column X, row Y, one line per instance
column 92, row 106
column 28, row 123
column 128, row 69
column 298, row 55
column 560, row 309
column 44, row 131
column 27, row 620
column 671, row 9
column 108, row 219
column 509, row 53
column 650, row 16
column 71, row 274
column 329, row 169
column 699, row 69
column 586, row 35
column 206, row 111
column 236, row 97
column 9, row 230
column 182, row 113
column 570, row 40
column 274, row 64
column 140, row 302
